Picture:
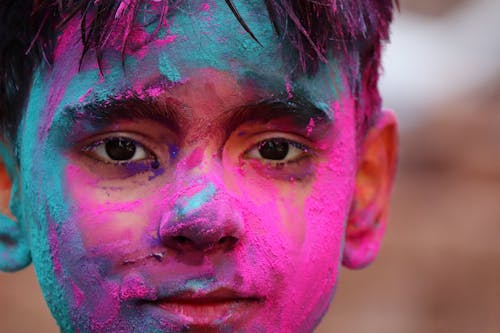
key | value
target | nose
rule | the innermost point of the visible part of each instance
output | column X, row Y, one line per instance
column 205, row 222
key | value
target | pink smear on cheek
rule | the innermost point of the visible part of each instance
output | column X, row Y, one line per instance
column 78, row 295
column 54, row 249
column 82, row 186
column 76, row 177
column 107, row 307
column 134, row 287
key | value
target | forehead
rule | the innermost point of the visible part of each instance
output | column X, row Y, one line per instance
column 195, row 35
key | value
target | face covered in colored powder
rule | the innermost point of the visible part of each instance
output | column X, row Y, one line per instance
column 192, row 186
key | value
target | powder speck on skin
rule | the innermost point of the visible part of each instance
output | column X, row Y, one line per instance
column 310, row 127
column 288, row 86
column 87, row 94
column 205, row 7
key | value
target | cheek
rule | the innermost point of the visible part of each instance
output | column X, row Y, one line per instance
column 329, row 203
column 290, row 206
column 109, row 220
column 279, row 205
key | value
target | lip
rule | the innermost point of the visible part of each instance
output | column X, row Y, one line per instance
column 209, row 309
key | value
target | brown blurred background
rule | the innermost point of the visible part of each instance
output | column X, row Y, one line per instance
column 439, row 268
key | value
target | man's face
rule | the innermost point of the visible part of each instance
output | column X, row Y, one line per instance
column 194, row 187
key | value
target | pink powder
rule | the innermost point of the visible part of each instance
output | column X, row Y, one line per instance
column 134, row 287
column 310, row 127
column 165, row 41
column 54, row 248
column 78, row 295
column 195, row 158
column 66, row 71
column 288, row 86
column 205, row 6
column 87, row 94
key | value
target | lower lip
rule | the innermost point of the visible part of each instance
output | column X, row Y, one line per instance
column 209, row 313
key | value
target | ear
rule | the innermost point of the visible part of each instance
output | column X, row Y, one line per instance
column 375, row 176
column 14, row 247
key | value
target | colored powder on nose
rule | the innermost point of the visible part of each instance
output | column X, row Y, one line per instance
column 197, row 200
column 195, row 158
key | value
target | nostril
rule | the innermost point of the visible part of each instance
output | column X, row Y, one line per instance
column 181, row 240
column 227, row 242
column 181, row 243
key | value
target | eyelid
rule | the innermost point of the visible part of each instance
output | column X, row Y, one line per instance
column 303, row 151
column 290, row 137
column 129, row 134
column 91, row 143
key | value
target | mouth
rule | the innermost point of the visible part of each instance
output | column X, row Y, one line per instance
column 209, row 309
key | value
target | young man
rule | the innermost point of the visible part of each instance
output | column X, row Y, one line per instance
column 193, row 166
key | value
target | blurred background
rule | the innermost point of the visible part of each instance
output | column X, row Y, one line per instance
column 439, row 268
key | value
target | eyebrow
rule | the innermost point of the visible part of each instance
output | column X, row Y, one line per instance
column 298, row 109
column 106, row 112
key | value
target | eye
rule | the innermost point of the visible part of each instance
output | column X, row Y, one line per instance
column 118, row 150
column 278, row 150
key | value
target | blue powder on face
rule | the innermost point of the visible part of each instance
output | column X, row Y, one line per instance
column 168, row 70
column 31, row 152
column 197, row 200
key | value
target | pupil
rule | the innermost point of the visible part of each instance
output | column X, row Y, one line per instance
column 273, row 149
column 120, row 149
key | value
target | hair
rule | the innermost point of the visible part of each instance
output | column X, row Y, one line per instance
column 313, row 28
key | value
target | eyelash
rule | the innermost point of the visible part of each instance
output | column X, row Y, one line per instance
column 98, row 148
column 306, row 151
column 284, row 159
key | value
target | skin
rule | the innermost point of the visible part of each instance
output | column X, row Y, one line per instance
column 198, row 221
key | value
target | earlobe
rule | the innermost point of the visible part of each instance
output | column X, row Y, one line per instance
column 376, row 168
column 14, row 247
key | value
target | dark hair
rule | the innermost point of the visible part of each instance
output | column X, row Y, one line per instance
column 313, row 27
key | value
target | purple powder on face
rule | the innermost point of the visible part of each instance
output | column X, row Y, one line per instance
column 173, row 150
column 155, row 164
